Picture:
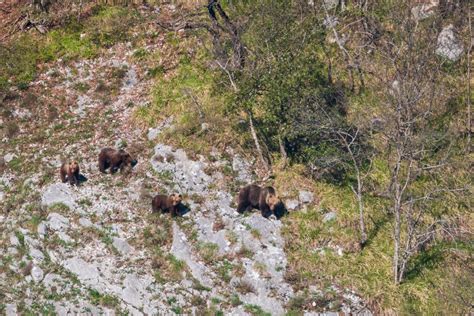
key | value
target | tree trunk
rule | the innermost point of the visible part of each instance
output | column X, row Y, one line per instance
column 231, row 29
column 469, row 86
column 396, row 238
column 360, row 201
column 257, row 144
column 358, row 192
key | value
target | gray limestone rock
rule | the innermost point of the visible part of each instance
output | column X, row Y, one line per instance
column 292, row 205
column 41, row 230
column 85, row 222
column 58, row 193
column 449, row 45
column 57, row 222
column 306, row 197
column 84, row 271
column 122, row 246
column 181, row 251
column 36, row 255
column 242, row 168
column 37, row 274
column 9, row 157
column 11, row 310
column 188, row 175
column 329, row 216
column 14, row 240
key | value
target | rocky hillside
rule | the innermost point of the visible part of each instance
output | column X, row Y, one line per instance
column 96, row 248
column 357, row 112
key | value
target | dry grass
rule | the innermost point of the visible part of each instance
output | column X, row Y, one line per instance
column 244, row 287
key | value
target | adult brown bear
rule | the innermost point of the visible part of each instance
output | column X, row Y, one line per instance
column 70, row 172
column 167, row 203
column 263, row 199
column 115, row 159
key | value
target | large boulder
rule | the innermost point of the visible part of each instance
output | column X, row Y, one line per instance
column 57, row 222
column 449, row 46
column 58, row 193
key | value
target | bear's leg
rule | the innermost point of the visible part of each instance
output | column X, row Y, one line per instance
column 174, row 212
column 242, row 207
column 102, row 165
column 114, row 168
column 63, row 176
column 266, row 211
column 71, row 179
column 76, row 178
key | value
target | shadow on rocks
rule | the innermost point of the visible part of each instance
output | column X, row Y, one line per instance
column 81, row 179
column 183, row 209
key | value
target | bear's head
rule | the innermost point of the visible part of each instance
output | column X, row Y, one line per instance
column 176, row 199
column 127, row 159
column 272, row 201
column 73, row 166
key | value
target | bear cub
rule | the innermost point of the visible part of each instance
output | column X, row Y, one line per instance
column 263, row 199
column 70, row 172
column 167, row 203
column 115, row 159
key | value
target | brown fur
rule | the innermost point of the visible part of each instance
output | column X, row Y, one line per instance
column 166, row 203
column 115, row 159
column 70, row 172
column 263, row 199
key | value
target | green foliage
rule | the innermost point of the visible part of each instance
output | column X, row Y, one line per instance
column 67, row 43
column 224, row 270
column 235, row 300
column 59, row 208
column 255, row 310
column 174, row 94
column 285, row 86
column 106, row 300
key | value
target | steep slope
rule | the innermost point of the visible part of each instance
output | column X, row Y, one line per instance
column 96, row 248
column 95, row 231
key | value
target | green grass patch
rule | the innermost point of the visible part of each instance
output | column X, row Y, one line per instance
column 255, row 310
column 369, row 271
column 184, row 91
column 106, row 300
column 19, row 60
column 59, row 208
column 208, row 251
